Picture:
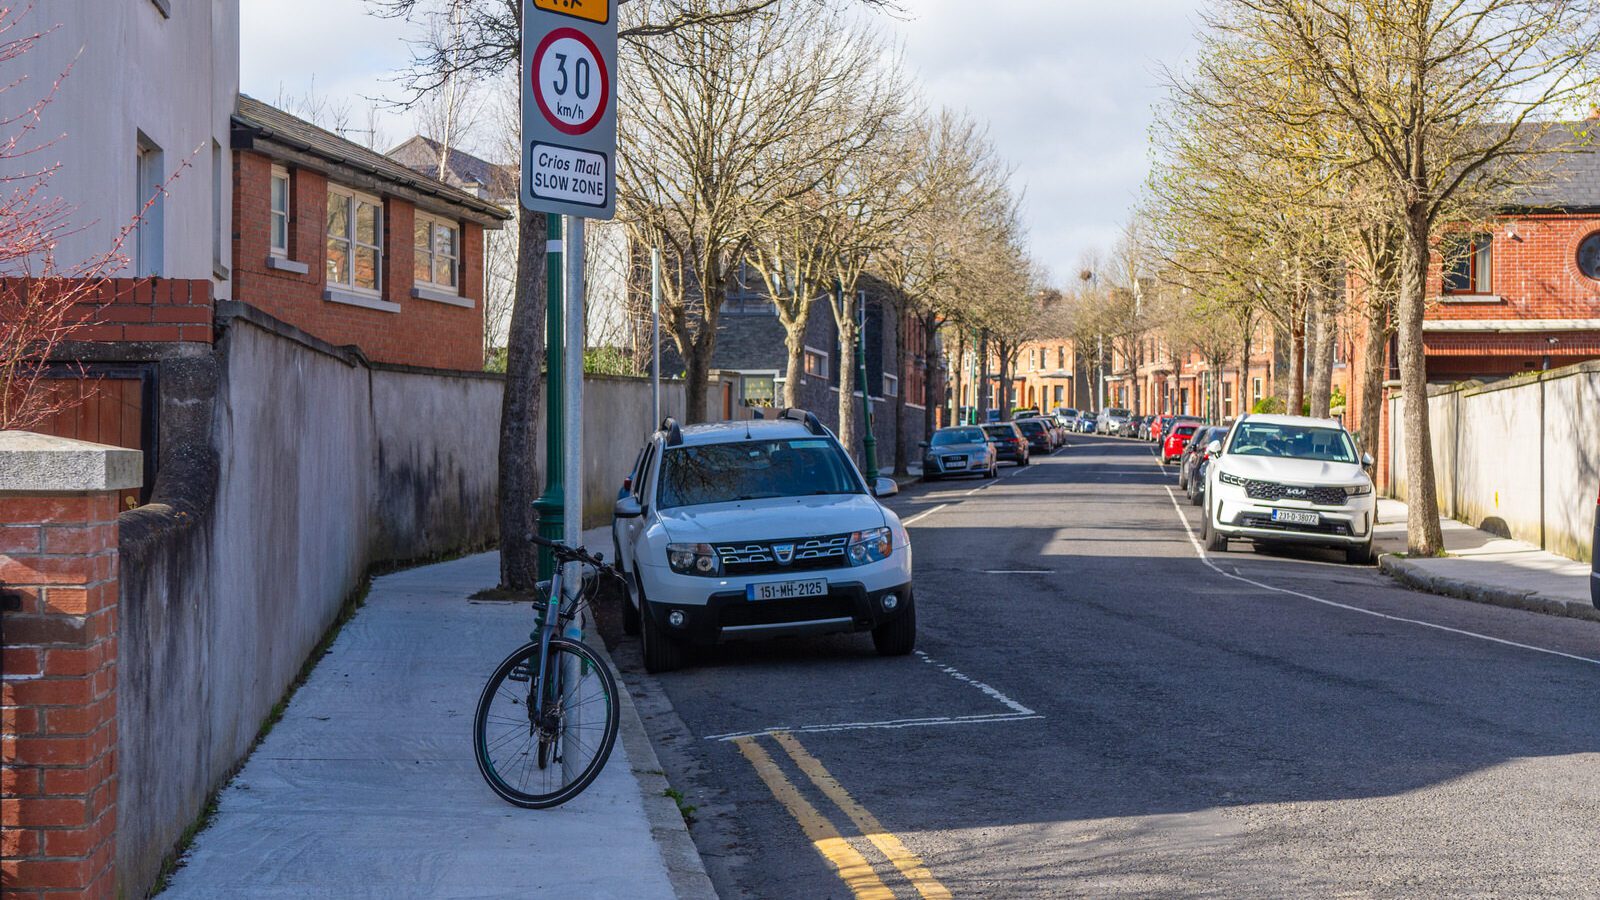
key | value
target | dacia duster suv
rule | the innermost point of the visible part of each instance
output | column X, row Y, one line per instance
column 758, row 529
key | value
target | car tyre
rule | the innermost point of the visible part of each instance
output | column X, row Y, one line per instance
column 1183, row 479
column 630, row 612
column 994, row 471
column 661, row 652
column 1197, row 494
column 1214, row 541
column 898, row 636
column 1024, row 460
column 1359, row 556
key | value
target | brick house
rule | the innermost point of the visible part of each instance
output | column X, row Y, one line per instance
column 354, row 247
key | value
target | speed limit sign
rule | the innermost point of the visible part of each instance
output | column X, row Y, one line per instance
column 569, row 115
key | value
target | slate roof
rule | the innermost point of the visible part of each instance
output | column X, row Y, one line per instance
column 1569, row 178
column 260, row 120
column 463, row 170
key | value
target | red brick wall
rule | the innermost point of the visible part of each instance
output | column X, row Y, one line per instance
column 1535, row 274
column 423, row 333
column 135, row 309
column 58, row 784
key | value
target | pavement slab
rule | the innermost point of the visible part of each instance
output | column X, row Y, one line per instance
column 367, row 787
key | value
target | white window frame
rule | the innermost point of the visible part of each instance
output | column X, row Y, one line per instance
column 891, row 385
column 351, row 198
column 149, row 236
column 825, row 365
column 433, row 221
column 279, row 173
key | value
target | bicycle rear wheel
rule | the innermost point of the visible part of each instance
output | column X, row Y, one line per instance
column 537, row 762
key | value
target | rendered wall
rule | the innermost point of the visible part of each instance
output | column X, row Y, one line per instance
column 1519, row 458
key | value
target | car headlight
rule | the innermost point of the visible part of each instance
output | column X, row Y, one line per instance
column 1358, row 490
column 1234, row 480
column 693, row 559
column 869, row 546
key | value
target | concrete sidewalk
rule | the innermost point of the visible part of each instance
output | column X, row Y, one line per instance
column 367, row 787
column 1485, row 568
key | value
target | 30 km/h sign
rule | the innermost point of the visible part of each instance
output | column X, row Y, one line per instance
column 569, row 109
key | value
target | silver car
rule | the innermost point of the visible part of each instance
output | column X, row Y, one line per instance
column 961, row 450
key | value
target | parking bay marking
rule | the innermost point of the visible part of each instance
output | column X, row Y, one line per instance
column 1204, row 558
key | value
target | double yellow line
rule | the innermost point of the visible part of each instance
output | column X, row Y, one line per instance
column 856, row 872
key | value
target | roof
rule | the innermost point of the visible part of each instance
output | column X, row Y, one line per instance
column 762, row 429
column 472, row 174
column 261, row 121
column 1266, row 419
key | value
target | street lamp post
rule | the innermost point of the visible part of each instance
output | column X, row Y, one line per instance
column 869, row 443
column 552, row 503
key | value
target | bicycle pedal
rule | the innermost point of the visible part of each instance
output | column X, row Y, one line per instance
column 521, row 672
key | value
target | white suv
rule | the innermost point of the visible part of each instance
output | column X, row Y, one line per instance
column 758, row 529
column 1290, row 479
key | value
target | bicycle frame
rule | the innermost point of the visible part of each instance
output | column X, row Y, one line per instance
column 547, row 630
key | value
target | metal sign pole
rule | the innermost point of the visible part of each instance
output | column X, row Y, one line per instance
column 572, row 372
column 655, row 338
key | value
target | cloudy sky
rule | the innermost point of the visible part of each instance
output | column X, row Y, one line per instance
column 1066, row 87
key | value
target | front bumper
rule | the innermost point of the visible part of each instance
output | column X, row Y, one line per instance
column 728, row 616
column 937, row 465
column 1235, row 515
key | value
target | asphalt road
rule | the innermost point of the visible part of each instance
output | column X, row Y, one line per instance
column 1095, row 711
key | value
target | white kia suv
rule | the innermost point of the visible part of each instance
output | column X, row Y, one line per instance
column 1292, row 480
column 758, row 529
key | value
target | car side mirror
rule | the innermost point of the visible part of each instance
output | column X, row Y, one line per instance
column 922, row 445
column 1367, row 461
column 885, row 487
column 628, row 508
column 1214, row 448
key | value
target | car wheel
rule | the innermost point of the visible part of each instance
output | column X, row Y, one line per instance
column 630, row 611
column 661, row 652
column 1198, row 495
column 1214, row 542
column 994, row 471
column 898, row 636
column 1183, row 479
column 1359, row 556
column 1024, row 460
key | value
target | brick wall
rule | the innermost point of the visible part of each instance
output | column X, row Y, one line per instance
column 423, row 333
column 135, row 309
column 58, row 784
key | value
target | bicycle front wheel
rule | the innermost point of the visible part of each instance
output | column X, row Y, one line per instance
column 541, row 759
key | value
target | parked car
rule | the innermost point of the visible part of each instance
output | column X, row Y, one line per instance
column 1009, row 442
column 1290, row 479
column 1067, row 418
column 1157, row 426
column 1195, row 447
column 1038, row 434
column 1594, row 575
column 1086, row 422
column 1111, row 421
column 1173, row 421
column 1172, row 448
column 759, row 529
column 1192, row 477
column 960, row 450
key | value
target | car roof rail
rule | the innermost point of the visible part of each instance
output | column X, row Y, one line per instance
column 674, row 433
column 812, row 423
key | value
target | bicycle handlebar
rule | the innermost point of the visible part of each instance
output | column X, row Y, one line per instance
column 571, row 554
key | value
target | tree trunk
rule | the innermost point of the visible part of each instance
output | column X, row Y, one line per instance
column 1373, row 373
column 696, row 377
column 930, row 371
column 1424, row 536
column 1322, row 350
column 849, row 428
column 1244, row 367
column 519, row 409
column 1297, row 364
column 794, row 340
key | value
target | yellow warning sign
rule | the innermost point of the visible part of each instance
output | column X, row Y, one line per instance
column 593, row 10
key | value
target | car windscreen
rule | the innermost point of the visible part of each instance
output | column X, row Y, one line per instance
column 1069, row 413
column 754, row 470
column 1185, row 430
column 1117, row 413
column 957, row 436
column 1292, row 442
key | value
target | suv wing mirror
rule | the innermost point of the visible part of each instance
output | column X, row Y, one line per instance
column 885, row 487
column 628, row 508
column 1367, row 461
column 1214, row 448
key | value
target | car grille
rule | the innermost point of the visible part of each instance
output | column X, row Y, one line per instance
column 1257, row 521
column 1271, row 490
column 760, row 557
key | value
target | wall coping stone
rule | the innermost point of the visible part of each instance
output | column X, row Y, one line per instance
column 38, row 463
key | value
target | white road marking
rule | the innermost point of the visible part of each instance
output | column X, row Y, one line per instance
column 1201, row 550
column 1019, row 571
column 923, row 515
column 1005, row 701
column 889, row 724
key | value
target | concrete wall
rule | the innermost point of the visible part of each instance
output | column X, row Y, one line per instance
column 287, row 469
column 133, row 70
column 1519, row 458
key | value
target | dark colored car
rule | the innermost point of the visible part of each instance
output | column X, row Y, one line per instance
column 1594, row 579
column 962, row 450
column 1172, row 448
column 1040, row 439
column 1192, row 478
column 1008, row 442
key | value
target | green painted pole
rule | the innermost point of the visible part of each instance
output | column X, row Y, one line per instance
column 551, row 504
column 869, row 444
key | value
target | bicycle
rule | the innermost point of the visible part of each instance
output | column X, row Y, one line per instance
column 545, row 733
